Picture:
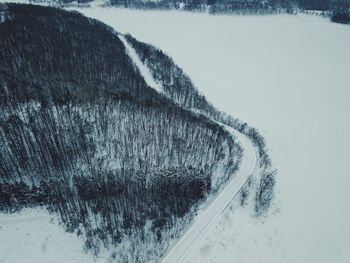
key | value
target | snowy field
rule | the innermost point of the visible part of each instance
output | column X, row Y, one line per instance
column 289, row 76
column 34, row 236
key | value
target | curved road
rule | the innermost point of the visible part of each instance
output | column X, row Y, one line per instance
column 201, row 223
column 205, row 218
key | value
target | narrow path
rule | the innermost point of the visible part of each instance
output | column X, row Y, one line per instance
column 142, row 68
column 205, row 218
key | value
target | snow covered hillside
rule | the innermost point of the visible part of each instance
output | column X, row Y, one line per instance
column 289, row 77
column 82, row 134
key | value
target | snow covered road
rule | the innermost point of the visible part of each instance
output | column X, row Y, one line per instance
column 143, row 69
column 206, row 218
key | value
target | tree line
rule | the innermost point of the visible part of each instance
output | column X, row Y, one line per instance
column 328, row 7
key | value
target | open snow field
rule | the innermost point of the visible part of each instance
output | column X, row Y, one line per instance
column 289, row 76
column 35, row 236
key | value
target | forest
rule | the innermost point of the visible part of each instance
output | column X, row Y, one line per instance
column 83, row 135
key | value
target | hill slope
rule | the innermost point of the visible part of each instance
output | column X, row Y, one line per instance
column 82, row 134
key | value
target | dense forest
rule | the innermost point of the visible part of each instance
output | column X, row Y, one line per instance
column 178, row 86
column 82, row 134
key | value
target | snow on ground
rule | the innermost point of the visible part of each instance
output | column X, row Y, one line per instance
column 289, row 77
column 34, row 235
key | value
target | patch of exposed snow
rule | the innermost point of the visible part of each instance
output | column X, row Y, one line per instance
column 33, row 235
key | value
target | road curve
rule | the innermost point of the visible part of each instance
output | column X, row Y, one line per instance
column 201, row 223
column 248, row 166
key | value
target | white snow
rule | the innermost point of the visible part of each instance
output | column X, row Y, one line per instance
column 34, row 235
column 289, row 77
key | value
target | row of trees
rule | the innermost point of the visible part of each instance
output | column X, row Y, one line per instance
column 231, row 6
column 212, row 6
column 337, row 10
